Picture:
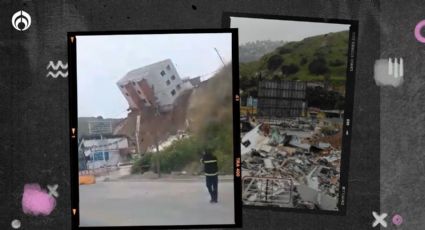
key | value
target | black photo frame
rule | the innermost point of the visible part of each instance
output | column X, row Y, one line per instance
column 348, row 107
column 72, row 39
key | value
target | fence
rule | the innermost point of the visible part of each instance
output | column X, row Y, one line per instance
column 98, row 171
column 281, row 98
column 267, row 190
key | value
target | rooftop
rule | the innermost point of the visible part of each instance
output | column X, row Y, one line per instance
column 145, row 71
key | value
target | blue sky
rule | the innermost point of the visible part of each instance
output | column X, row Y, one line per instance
column 103, row 60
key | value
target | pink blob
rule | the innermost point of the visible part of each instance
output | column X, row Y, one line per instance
column 418, row 29
column 397, row 220
column 36, row 201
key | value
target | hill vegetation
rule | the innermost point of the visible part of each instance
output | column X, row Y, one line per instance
column 321, row 58
column 252, row 51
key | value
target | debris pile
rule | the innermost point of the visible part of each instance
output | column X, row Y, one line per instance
column 291, row 164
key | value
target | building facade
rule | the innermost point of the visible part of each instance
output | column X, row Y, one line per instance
column 281, row 99
column 157, row 84
column 104, row 151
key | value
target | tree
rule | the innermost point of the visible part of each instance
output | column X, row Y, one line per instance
column 327, row 80
column 303, row 61
column 324, row 99
column 289, row 69
column 245, row 82
column 253, row 91
column 336, row 62
column 274, row 62
column 276, row 77
column 284, row 50
column 318, row 66
column 340, row 103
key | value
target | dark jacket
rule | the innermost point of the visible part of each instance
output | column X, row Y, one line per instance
column 210, row 165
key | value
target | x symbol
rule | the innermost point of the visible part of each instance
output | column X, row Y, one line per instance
column 52, row 190
column 379, row 219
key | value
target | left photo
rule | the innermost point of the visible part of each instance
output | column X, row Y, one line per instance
column 153, row 117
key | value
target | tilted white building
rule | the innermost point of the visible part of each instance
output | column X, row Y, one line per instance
column 155, row 84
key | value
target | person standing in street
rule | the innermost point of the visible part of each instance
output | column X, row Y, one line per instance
column 211, row 174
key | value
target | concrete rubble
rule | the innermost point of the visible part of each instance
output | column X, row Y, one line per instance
column 292, row 164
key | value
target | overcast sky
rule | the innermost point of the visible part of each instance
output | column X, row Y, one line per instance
column 252, row 29
column 103, row 60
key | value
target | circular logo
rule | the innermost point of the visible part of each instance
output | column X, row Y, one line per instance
column 21, row 20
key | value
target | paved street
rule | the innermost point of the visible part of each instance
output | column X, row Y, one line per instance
column 154, row 202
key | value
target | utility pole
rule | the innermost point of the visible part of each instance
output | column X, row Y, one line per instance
column 103, row 155
column 219, row 56
column 158, row 164
column 137, row 134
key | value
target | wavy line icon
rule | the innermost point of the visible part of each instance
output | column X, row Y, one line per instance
column 56, row 75
column 56, row 67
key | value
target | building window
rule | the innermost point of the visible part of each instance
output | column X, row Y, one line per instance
column 246, row 143
column 173, row 92
column 168, row 82
column 138, row 91
column 163, row 73
column 178, row 86
column 98, row 156
column 168, row 67
column 173, row 77
column 106, row 155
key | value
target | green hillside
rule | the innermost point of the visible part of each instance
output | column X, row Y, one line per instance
column 319, row 58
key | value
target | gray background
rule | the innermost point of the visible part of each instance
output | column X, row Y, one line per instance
column 34, row 144
column 402, row 119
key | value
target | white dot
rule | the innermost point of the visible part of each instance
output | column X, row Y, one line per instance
column 16, row 224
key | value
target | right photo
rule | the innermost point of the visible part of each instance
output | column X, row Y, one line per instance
column 295, row 94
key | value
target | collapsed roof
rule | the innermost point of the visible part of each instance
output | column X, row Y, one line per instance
column 299, row 154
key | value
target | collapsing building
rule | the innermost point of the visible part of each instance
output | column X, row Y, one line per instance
column 155, row 85
column 292, row 164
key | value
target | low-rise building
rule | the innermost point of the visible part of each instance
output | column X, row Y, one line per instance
column 104, row 150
